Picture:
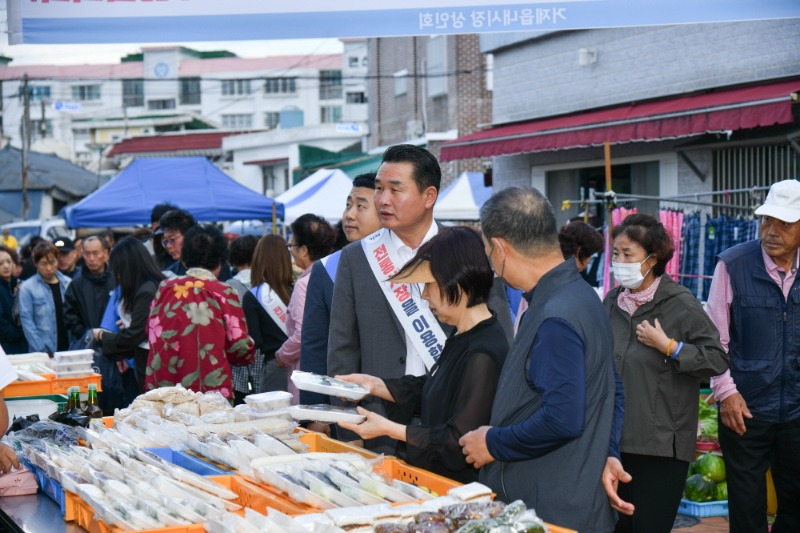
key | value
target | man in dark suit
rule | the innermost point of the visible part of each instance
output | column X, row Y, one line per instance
column 359, row 220
column 366, row 335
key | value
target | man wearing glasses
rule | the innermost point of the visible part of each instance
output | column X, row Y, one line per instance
column 754, row 301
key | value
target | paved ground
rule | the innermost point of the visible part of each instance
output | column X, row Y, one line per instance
column 690, row 524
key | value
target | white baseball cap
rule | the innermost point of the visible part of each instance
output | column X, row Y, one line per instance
column 783, row 201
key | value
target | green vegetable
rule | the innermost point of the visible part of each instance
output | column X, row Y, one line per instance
column 700, row 489
column 707, row 419
column 722, row 491
column 712, row 466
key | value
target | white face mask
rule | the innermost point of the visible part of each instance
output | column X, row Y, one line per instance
column 629, row 275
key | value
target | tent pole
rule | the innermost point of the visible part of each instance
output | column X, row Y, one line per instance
column 274, row 218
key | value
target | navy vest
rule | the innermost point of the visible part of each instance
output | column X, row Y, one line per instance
column 563, row 486
column 764, row 345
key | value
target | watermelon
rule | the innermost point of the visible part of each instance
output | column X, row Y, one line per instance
column 700, row 489
column 690, row 472
column 712, row 466
column 722, row 491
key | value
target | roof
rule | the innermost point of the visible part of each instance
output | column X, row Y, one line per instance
column 185, row 142
column 669, row 118
column 45, row 172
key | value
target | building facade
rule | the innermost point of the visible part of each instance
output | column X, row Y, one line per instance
column 705, row 95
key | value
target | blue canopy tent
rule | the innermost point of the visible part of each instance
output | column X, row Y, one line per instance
column 192, row 183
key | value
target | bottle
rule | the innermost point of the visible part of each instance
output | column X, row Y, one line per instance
column 70, row 400
column 74, row 404
column 93, row 410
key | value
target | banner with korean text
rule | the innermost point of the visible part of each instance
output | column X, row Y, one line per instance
column 143, row 21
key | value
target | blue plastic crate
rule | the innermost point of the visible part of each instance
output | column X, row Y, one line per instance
column 703, row 510
column 189, row 462
column 49, row 486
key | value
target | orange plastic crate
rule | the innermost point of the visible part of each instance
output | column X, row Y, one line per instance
column 402, row 471
column 50, row 385
column 317, row 442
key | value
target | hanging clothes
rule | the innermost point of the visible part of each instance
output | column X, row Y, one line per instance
column 690, row 256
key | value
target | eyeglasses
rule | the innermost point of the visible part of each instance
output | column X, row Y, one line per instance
column 169, row 242
column 290, row 246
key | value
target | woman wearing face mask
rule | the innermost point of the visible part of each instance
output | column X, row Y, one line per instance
column 663, row 344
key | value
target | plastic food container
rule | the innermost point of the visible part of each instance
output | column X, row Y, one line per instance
column 23, row 408
column 79, row 356
column 62, row 368
column 75, row 373
column 327, row 385
column 269, row 401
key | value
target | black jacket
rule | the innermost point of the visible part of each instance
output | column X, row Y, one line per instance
column 12, row 338
column 85, row 301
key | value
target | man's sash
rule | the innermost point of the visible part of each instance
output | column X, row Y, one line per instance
column 273, row 305
column 418, row 322
column 331, row 263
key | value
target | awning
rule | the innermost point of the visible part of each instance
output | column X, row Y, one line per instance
column 735, row 109
column 267, row 162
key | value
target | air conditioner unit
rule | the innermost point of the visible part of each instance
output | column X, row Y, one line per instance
column 414, row 129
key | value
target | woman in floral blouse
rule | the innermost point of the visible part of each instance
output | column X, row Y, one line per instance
column 197, row 328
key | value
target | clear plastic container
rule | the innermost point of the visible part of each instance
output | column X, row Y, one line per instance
column 22, row 408
column 74, row 356
column 63, row 368
column 75, row 373
column 269, row 401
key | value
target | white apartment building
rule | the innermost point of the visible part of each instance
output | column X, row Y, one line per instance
column 80, row 111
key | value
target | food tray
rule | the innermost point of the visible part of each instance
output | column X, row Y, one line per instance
column 189, row 462
column 54, row 491
column 308, row 381
column 75, row 356
column 326, row 413
column 703, row 510
column 269, row 401
column 74, row 374
column 80, row 366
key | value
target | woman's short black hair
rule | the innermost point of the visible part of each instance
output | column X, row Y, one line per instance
column 315, row 234
column 581, row 239
column 240, row 252
column 204, row 246
column 132, row 265
column 650, row 234
column 459, row 265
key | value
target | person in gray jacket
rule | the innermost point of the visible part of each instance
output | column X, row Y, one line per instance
column 550, row 432
column 663, row 344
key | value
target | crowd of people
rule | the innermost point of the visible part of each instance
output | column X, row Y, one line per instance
column 488, row 356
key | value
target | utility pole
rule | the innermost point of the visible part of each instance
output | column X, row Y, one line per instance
column 26, row 144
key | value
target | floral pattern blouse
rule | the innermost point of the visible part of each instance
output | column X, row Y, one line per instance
column 196, row 330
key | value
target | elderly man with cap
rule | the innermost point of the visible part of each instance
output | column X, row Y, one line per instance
column 67, row 257
column 755, row 303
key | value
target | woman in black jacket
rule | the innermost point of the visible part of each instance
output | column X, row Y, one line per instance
column 12, row 339
column 137, row 277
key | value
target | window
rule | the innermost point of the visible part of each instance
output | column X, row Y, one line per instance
column 272, row 119
column 330, row 84
column 356, row 98
column 400, row 82
column 237, row 122
column 165, row 103
column 41, row 129
column 80, row 133
column 235, row 87
column 352, row 61
column 330, row 114
column 280, row 86
column 132, row 93
column 85, row 93
column 190, row 91
column 36, row 93
column 437, row 65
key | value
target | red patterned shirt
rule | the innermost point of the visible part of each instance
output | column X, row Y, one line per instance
column 196, row 331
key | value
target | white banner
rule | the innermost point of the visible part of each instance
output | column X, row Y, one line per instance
column 142, row 21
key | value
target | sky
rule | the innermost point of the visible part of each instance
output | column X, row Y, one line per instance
column 29, row 54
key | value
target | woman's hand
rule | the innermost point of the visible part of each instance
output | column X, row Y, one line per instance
column 653, row 336
column 376, row 426
column 8, row 459
column 374, row 385
column 97, row 333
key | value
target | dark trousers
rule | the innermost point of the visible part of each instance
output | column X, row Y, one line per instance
column 655, row 491
column 746, row 461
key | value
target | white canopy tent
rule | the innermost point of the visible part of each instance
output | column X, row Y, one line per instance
column 462, row 199
column 323, row 193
